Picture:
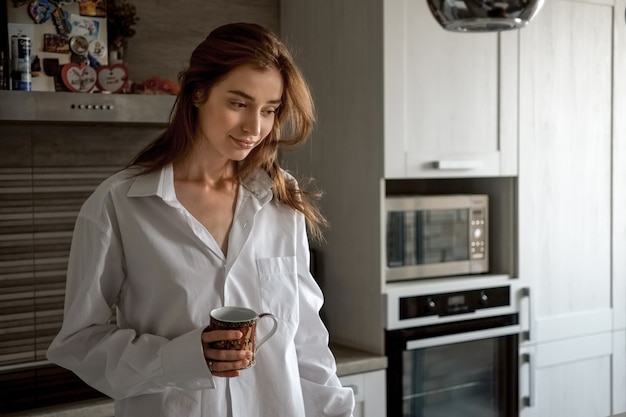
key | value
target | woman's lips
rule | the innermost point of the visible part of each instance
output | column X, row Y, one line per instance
column 244, row 144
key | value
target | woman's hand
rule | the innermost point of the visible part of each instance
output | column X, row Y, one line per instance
column 224, row 362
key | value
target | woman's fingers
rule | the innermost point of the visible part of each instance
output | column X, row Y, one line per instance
column 224, row 362
column 217, row 335
column 227, row 363
column 224, row 369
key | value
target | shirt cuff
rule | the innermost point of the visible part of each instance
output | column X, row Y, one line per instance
column 184, row 365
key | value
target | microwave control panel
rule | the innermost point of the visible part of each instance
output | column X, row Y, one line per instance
column 478, row 233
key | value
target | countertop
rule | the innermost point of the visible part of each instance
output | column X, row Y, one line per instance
column 353, row 361
column 349, row 361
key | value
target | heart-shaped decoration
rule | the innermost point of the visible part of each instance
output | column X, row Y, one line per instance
column 112, row 78
column 79, row 78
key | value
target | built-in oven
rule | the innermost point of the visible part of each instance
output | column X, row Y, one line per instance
column 453, row 352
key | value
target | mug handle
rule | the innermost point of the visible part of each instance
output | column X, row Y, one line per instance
column 270, row 334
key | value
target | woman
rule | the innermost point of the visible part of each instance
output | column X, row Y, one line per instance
column 205, row 217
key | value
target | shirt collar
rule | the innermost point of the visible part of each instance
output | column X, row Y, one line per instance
column 259, row 184
column 161, row 183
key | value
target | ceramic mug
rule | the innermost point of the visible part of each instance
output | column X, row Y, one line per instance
column 244, row 320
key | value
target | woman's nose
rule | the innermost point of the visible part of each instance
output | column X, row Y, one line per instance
column 252, row 124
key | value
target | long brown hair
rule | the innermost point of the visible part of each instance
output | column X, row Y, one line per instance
column 226, row 48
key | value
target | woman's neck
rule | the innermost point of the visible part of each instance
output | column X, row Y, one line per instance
column 202, row 167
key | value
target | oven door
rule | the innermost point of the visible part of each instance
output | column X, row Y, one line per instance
column 460, row 369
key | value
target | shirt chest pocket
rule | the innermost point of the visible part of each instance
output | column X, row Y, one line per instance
column 278, row 279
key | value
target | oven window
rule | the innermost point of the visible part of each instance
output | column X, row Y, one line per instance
column 427, row 237
column 462, row 379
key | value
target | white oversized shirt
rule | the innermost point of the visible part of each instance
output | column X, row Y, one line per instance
column 138, row 250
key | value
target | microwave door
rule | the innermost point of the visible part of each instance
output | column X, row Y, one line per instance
column 395, row 239
column 404, row 239
column 446, row 236
column 425, row 243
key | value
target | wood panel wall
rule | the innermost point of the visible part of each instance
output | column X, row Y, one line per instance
column 167, row 31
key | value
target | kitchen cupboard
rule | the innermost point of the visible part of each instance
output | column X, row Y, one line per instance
column 369, row 393
column 571, row 189
column 361, row 59
column 561, row 94
column 449, row 98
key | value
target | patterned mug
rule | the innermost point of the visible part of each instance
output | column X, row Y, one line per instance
column 244, row 320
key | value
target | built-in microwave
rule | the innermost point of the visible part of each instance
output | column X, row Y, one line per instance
column 436, row 235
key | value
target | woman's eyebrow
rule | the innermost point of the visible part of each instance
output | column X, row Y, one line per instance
column 249, row 97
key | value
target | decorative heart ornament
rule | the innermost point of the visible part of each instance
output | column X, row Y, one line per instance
column 78, row 78
column 112, row 78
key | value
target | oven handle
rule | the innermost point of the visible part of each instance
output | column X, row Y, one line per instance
column 528, row 333
column 463, row 337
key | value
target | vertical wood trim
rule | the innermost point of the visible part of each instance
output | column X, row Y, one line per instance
column 508, row 133
column 619, row 209
column 619, row 167
column 395, row 72
column 619, row 372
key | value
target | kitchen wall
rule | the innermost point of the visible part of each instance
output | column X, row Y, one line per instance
column 167, row 32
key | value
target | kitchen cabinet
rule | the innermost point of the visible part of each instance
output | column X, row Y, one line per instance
column 561, row 99
column 571, row 203
column 384, row 74
column 449, row 99
column 369, row 393
column 360, row 63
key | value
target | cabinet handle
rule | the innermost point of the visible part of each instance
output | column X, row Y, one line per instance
column 458, row 165
column 353, row 387
column 529, row 400
column 527, row 333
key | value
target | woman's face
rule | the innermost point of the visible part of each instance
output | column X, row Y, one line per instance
column 239, row 111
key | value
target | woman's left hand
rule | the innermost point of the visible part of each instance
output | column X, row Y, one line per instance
column 224, row 362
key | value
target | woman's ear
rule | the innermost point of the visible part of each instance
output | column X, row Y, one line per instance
column 198, row 98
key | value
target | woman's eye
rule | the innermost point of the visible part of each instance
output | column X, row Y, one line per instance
column 238, row 104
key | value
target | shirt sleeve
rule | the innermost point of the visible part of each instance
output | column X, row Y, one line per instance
column 118, row 362
column 323, row 394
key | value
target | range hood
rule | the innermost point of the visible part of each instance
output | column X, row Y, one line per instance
column 484, row 15
column 62, row 107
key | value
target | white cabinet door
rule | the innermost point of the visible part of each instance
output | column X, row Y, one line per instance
column 565, row 162
column 443, row 113
column 370, row 391
column 567, row 378
column 565, row 203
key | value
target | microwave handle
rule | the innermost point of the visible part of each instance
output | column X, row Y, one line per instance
column 458, row 164
column 463, row 337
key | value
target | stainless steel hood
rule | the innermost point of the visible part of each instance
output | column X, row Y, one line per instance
column 61, row 107
column 484, row 15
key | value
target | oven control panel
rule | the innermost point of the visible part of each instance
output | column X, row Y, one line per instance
column 460, row 302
